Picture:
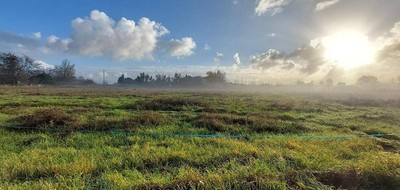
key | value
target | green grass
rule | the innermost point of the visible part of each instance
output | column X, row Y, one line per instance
column 67, row 156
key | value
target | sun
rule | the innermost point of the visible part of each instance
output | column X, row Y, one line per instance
column 349, row 49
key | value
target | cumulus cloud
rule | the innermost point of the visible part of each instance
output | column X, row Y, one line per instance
column 308, row 59
column 58, row 44
column 389, row 44
column 217, row 58
column 270, row 6
column 236, row 61
column 325, row 4
column 271, row 58
column 181, row 48
column 311, row 57
column 44, row 65
column 99, row 34
column 387, row 64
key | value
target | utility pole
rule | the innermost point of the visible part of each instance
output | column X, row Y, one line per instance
column 104, row 77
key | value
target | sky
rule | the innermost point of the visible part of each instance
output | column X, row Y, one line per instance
column 253, row 41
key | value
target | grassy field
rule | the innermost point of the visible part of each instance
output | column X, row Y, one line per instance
column 73, row 138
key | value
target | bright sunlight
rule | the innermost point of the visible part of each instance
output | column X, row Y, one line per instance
column 349, row 49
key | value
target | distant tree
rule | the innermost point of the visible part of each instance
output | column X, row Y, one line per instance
column 161, row 78
column 177, row 78
column 121, row 79
column 367, row 80
column 144, row 78
column 216, row 77
column 16, row 69
column 341, row 84
column 64, row 72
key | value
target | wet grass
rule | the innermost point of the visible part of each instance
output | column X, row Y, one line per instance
column 78, row 149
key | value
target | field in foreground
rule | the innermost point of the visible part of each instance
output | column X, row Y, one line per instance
column 73, row 138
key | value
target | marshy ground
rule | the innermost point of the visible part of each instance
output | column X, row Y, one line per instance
column 76, row 138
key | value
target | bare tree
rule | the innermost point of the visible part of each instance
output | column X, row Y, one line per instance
column 64, row 72
column 15, row 69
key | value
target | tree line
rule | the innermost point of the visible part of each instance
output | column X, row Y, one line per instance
column 16, row 70
column 22, row 70
column 143, row 79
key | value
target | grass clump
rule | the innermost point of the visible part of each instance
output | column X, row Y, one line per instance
column 220, row 122
column 248, row 123
column 48, row 117
column 168, row 104
column 146, row 118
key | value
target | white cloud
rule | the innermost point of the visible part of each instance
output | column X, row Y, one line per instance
column 56, row 43
column 325, row 4
column 181, row 48
column 391, row 38
column 389, row 45
column 99, row 34
column 271, row 58
column 271, row 35
column 44, row 65
column 207, row 47
column 217, row 58
column 270, row 6
column 273, row 7
column 236, row 61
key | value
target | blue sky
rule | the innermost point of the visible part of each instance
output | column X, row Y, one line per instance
column 248, row 28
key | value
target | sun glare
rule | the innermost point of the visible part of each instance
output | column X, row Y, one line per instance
column 349, row 49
